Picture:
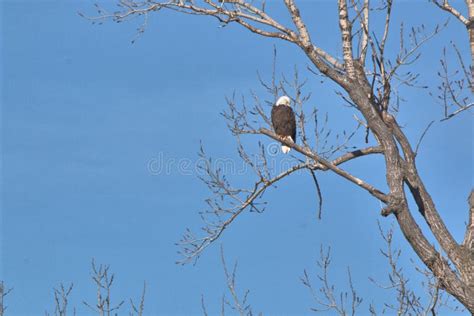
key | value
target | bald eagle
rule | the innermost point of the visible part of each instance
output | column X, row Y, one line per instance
column 283, row 121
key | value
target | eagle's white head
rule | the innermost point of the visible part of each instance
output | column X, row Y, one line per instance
column 284, row 100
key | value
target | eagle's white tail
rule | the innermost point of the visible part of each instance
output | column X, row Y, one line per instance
column 286, row 149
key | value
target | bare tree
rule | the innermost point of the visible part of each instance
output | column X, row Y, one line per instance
column 369, row 78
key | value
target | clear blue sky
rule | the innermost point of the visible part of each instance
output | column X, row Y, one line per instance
column 84, row 112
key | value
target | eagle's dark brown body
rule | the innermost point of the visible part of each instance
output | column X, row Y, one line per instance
column 283, row 121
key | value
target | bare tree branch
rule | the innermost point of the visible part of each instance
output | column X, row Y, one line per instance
column 363, row 16
column 61, row 299
column 103, row 279
column 141, row 307
column 455, row 89
column 469, row 236
column 239, row 304
column 325, row 297
column 346, row 35
column 318, row 191
column 446, row 6
column 468, row 22
column 407, row 300
column 328, row 165
column 421, row 138
column 3, row 292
